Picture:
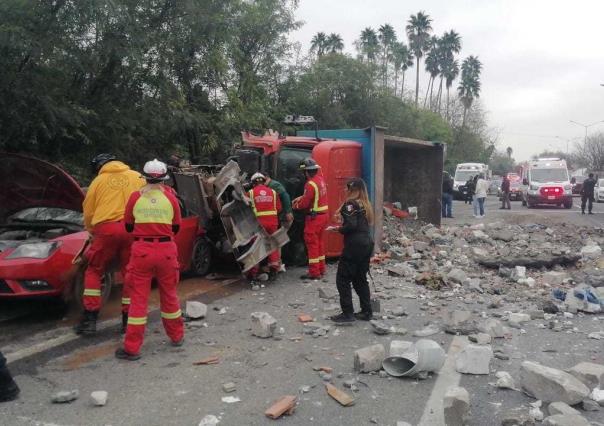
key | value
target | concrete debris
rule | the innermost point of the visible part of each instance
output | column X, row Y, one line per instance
column 480, row 338
column 380, row 327
column 65, row 396
column 457, row 276
column 230, row 399
column 99, row 398
column 598, row 335
column 551, row 385
column 554, row 278
column 536, row 414
column 284, row 405
column 590, row 374
column 598, row 396
column 561, row 408
column 519, row 273
column 399, row 347
column 474, row 359
column 195, row 310
column 263, row 324
column 516, row 418
column 229, row 387
column 565, row 420
column 342, row 397
column 456, row 405
column 492, row 327
column 593, row 251
column 427, row 331
column 209, row 420
column 590, row 405
column 505, row 380
column 369, row 358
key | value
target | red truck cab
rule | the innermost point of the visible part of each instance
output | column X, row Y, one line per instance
column 280, row 157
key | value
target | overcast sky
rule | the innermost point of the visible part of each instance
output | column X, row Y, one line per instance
column 543, row 60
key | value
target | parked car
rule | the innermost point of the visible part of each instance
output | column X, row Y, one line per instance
column 41, row 233
column 495, row 187
column 577, row 184
column 599, row 191
column 515, row 192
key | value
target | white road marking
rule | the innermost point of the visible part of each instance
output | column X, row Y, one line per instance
column 447, row 377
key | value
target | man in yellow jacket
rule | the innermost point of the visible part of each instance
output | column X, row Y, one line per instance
column 104, row 207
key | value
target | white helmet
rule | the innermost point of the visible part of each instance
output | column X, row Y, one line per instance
column 155, row 170
column 258, row 176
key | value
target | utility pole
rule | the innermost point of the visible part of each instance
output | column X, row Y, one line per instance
column 586, row 126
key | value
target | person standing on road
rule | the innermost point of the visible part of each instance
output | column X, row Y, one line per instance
column 357, row 215
column 313, row 201
column 470, row 187
column 482, row 186
column 266, row 205
column 505, row 194
column 103, row 207
column 8, row 388
column 587, row 194
column 447, row 196
column 153, row 216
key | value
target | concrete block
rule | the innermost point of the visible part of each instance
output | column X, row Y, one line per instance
column 263, row 324
column 474, row 359
column 551, row 385
column 369, row 358
column 456, row 405
column 590, row 374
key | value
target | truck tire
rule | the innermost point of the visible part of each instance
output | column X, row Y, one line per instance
column 78, row 288
column 202, row 257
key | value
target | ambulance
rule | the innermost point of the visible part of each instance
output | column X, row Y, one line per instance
column 545, row 181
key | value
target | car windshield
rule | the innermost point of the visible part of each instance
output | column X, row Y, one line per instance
column 549, row 175
column 464, row 175
column 48, row 214
column 601, row 182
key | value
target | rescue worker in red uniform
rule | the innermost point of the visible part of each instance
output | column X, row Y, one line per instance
column 266, row 204
column 103, row 208
column 153, row 217
column 314, row 202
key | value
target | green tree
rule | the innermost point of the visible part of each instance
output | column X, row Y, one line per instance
column 449, row 45
column 418, row 31
column 509, row 151
column 334, row 43
column 450, row 73
column 319, row 44
column 369, row 44
column 387, row 39
column 432, row 64
column 402, row 60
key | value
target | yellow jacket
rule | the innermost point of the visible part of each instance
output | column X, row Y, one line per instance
column 109, row 192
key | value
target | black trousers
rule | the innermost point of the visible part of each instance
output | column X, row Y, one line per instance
column 589, row 200
column 353, row 272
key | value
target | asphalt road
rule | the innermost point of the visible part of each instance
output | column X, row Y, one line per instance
column 165, row 388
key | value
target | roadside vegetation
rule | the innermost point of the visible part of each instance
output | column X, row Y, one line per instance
column 155, row 78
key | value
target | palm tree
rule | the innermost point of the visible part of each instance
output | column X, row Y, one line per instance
column 450, row 44
column 369, row 43
column 432, row 64
column 402, row 60
column 334, row 43
column 469, row 87
column 509, row 151
column 319, row 43
column 450, row 72
column 418, row 30
column 387, row 38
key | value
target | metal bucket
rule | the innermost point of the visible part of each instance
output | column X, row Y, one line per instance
column 425, row 355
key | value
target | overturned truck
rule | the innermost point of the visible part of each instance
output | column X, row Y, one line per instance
column 215, row 194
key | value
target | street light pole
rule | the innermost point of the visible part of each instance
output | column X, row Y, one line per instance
column 586, row 126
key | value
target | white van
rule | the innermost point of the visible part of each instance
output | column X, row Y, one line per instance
column 465, row 171
column 546, row 181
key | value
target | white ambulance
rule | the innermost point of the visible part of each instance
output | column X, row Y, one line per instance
column 546, row 181
column 465, row 171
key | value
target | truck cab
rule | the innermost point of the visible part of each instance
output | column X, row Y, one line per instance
column 280, row 157
column 545, row 181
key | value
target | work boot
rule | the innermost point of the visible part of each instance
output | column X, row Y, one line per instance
column 590, row 213
column 87, row 325
column 342, row 318
column 582, row 211
column 272, row 275
column 309, row 277
column 120, row 353
column 124, row 322
column 8, row 388
column 178, row 343
column 363, row 316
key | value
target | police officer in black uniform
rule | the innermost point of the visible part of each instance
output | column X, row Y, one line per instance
column 8, row 388
column 357, row 215
column 587, row 193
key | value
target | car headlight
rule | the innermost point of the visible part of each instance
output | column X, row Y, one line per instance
column 568, row 187
column 534, row 188
column 36, row 285
column 34, row 250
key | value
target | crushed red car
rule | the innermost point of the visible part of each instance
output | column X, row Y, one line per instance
column 41, row 232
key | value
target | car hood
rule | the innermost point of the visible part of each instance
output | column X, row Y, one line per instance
column 29, row 182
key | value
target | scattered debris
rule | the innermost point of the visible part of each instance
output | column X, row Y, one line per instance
column 369, row 358
column 65, row 396
column 505, row 380
column 263, row 324
column 590, row 374
column 208, row 361
column 230, row 399
column 456, row 404
column 342, row 397
column 561, row 408
column 551, row 385
column 284, row 405
column 474, row 359
column 209, row 420
column 229, row 387
column 305, row 318
column 195, row 310
column 99, row 398
column 565, row 420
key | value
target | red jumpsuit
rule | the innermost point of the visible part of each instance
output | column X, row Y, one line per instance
column 314, row 200
column 155, row 214
column 266, row 206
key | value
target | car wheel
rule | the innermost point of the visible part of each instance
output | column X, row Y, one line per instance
column 78, row 288
column 202, row 257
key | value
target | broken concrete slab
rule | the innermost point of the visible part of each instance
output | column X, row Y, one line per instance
column 590, row 374
column 480, row 338
column 380, row 328
column 456, row 405
column 598, row 396
column 474, row 359
column 493, row 327
column 284, row 405
column 565, row 420
column 505, row 380
column 561, row 408
column 99, row 398
column 516, row 418
column 195, row 310
column 342, row 397
column 263, row 324
column 369, row 358
column 229, row 387
column 551, row 385
column 554, row 278
column 590, row 405
column 457, row 276
column 399, row 347
column 593, row 251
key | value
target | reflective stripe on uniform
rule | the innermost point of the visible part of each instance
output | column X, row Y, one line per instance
column 316, row 260
column 315, row 206
column 171, row 315
column 267, row 213
column 125, row 300
column 92, row 292
column 321, row 257
column 137, row 320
